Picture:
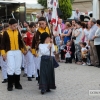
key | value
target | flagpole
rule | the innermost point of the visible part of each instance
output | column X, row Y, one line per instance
column 58, row 3
column 50, row 32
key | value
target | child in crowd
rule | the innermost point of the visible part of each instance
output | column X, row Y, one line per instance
column 47, row 74
column 23, row 32
column 84, row 52
column 68, row 52
column 88, row 55
column 62, row 53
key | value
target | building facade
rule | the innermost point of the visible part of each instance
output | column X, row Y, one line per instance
column 96, row 9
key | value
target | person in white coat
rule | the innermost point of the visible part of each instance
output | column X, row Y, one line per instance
column 4, row 63
column 11, row 47
column 96, row 38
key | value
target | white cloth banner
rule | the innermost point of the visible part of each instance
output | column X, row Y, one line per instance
column 49, row 3
column 54, row 19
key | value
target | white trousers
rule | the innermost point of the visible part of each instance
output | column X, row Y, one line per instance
column 37, row 64
column 29, row 64
column 4, row 68
column 14, row 61
column 23, row 61
column 25, row 65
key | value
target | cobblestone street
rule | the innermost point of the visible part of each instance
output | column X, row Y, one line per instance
column 73, row 83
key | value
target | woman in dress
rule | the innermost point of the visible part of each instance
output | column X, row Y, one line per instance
column 76, row 36
column 66, row 36
column 86, row 32
column 47, row 74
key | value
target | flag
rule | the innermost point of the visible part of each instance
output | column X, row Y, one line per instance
column 49, row 3
column 55, row 19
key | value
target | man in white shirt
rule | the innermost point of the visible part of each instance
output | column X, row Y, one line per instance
column 77, row 15
column 97, row 41
column 37, row 17
column 93, row 52
column 49, row 15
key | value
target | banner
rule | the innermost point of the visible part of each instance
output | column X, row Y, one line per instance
column 55, row 19
column 50, row 3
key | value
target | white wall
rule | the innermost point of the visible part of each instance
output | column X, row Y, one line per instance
column 96, row 9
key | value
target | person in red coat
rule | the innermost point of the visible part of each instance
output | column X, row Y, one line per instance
column 29, row 60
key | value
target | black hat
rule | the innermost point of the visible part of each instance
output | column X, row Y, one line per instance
column 32, row 24
column 44, row 36
column 12, row 21
column 42, row 19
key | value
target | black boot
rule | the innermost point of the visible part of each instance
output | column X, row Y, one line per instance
column 42, row 91
column 25, row 75
column 33, row 76
column 66, row 60
column 5, row 81
column 17, row 82
column 29, row 79
column 38, row 76
column 13, row 79
column 10, row 83
column 48, row 89
column 70, row 60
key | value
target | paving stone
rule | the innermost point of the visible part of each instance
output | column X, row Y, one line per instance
column 73, row 83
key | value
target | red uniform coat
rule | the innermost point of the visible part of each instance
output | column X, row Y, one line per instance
column 28, row 39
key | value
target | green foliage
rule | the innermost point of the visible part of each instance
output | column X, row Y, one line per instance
column 66, row 8
column 43, row 3
column 71, row 1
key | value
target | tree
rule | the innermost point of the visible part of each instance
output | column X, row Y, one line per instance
column 66, row 8
column 64, row 5
column 43, row 3
column 71, row 1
